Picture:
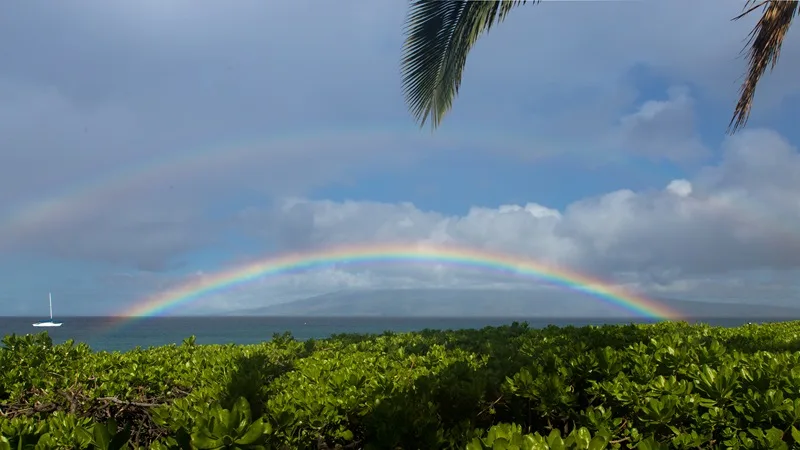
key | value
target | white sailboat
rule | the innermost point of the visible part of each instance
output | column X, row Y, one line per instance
column 49, row 323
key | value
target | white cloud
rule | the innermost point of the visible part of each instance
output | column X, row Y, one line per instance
column 97, row 92
column 601, row 127
column 728, row 234
column 663, row 129
column 681, row 188
column 735, row 219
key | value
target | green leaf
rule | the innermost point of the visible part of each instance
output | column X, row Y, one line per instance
column 202, row 440
column 501, row 444
column 240, row 415
column 102, row 438
column 599, row 442
column 554, row 440
column 83, row 435
column 254, row 431
column 474, row 444
column 582, row 438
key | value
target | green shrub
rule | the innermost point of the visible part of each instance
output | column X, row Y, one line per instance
column 668, row 385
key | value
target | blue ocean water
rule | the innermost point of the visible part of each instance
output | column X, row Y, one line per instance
column 102, row 333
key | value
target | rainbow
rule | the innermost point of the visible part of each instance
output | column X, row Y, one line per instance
column 79, row 199
column 76, row 201
column 171, row 299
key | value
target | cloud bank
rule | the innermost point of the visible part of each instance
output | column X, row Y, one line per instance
column 145, row 145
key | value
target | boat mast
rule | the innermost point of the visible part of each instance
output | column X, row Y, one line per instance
column 50, row 296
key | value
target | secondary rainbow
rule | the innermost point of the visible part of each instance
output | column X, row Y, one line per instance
column 168, row 300
column 79, row 199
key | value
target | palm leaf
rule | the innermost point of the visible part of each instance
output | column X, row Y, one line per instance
column 764, row 43
column 439, row 35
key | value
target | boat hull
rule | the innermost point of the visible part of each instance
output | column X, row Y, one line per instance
column 47, row 324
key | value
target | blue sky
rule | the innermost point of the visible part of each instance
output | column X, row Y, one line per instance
column 281, row 125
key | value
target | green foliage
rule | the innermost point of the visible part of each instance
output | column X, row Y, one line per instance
column 670, row 385
column 510, row 437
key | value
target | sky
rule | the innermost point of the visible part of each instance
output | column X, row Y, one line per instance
column 148, row 144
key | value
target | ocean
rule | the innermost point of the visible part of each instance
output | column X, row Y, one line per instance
column 108, row 334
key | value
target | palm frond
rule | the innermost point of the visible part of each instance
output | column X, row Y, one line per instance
column 765, row 41
column 439, row 36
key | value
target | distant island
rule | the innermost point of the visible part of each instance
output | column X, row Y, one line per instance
column 544, row 303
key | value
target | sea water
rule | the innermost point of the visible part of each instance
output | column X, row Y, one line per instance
column 109, row 334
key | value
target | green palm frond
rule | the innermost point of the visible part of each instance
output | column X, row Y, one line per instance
column 764, row 44
column 439, row 35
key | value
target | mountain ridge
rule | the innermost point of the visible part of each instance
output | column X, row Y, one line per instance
column 479, row 302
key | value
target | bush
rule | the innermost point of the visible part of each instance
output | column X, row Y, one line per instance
column 668, row 385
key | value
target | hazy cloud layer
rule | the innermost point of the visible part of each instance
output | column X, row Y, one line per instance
column 736, row 217
column 740, row 214
column 139, row 135
column 146, row 210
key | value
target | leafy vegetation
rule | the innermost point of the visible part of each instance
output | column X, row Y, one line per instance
column 669, row 385
column 441, row 33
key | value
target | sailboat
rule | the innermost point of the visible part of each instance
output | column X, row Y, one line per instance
column 49, row 323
